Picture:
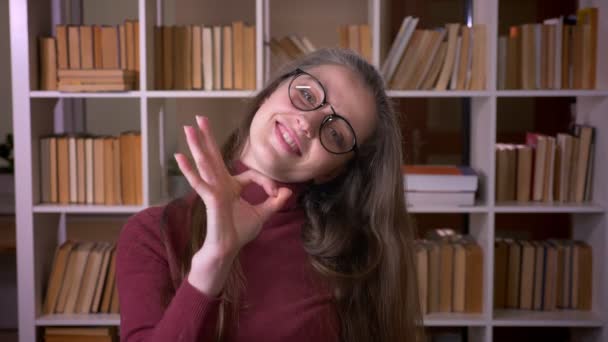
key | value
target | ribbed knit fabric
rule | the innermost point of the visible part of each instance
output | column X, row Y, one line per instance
column 283, row 299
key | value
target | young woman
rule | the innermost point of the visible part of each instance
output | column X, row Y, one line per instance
column 295, row 231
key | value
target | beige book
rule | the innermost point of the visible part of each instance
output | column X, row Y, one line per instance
column 81, row 170
column 539, row 283
column 365, row 42
column 513, row 68
column 109, row 284
column 97, row 47
column 404, row 67
column 249, row 51
column 459, row 285
column 434, row 271
column 86, row 47
column 527, row 276
column 138, row 169
column 82, row 253
column 473, row 278
column 513, row 276
column 465, row 57
column 238, row 45
column 101, row 281
column 197, row 57
column 585, row 134
column 58, row 272
column 168, row 57
column 479, row 61
column 117, row 184
column 94, row 87
column 354, row 38
column 45, row 172
column 427, row 59
column 502, row 167
column 61, row 32
column 448, row 65
column 74, row 47
column 218, row 58
column 108, row 171
column 524, row 173
column 98, row 165
column 109, row 44
column 187, row 56
column 549, row 170
column 445, row 276
column 227, row 62
column 437, row 63
column 422, row 266
column 544, row 56
column 179, row 68
column 343, row 36
column 89, row 279
column 540, row 158
column 48, row 63
column 122, row 31
column 63, row 170
column 127, row 169
column 136, row 43
column 130, row 43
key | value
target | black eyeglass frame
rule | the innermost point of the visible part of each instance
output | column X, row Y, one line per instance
column 299, row 72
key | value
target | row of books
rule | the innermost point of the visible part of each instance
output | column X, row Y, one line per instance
column 81, row 169
column 288, row 48
column 439, row 185
column 559, row 53
column 449, row 272
column 452, row 58
column 547, row 168
column 86, row 47
column 83, row 279
column 542, row 275
column 357, row 38
column 81, row 334
column 205, row 57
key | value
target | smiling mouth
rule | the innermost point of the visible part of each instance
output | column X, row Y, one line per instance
column 287, row 139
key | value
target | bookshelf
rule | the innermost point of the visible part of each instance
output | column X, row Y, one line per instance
column 41, row 226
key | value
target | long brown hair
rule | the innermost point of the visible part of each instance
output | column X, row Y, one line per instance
column 358, row 234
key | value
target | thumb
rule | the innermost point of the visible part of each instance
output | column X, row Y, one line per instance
column 274, row 203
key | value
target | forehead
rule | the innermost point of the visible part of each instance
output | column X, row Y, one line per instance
column 349, row 96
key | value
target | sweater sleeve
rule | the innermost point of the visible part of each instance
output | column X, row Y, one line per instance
column 150, row 308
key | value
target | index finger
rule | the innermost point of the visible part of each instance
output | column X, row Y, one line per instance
column 208, row 139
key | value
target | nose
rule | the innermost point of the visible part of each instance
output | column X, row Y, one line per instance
column 308, row 122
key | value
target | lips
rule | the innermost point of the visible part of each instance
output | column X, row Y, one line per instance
column 287, row 139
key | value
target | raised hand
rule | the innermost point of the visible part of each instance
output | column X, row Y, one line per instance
column 231, row 221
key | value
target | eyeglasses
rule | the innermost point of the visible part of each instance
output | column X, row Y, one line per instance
column 306, row 93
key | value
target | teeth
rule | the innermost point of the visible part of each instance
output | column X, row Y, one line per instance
column 288, row 140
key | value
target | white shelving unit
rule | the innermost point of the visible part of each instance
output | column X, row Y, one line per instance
column 40, row 225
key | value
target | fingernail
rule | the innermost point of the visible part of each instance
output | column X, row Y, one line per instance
column 198, row 119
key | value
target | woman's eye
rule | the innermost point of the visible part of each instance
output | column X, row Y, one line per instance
column 337, row 137
column 307, row 96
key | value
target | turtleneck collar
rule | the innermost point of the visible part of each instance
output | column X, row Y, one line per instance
column 255, row 194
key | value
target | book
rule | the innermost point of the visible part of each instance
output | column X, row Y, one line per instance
column 446, row 178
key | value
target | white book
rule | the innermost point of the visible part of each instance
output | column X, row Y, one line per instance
column 465, row 181
column 400, row 49
column 454, row 77
column 390, row 56
column 217, row 58
column 308, row 44
column 90, row 171
column 207, row 59
column 73, row 170
column 419, row 198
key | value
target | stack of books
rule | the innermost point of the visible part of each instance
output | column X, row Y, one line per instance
column 450, row 273
column 205, row 57
column 559, row 53
column 83, row 279
column 451, row 58
column 547, row 168
column 542, row 275
column 77, row 51
column 86, row 80
column 80, row 334
column 357, row 38
column 439, row 185
column 81, row 169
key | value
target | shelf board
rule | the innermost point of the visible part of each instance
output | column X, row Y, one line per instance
column 561, row 318
column 447, row 209
column 551, row 93
column 434, row 93
column 78, row 319
column 452, row 319
column 43, row 94
column 550, row 207
column 87, row 209
column 200, row 93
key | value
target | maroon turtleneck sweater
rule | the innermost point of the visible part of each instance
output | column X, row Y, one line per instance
column 282, row 300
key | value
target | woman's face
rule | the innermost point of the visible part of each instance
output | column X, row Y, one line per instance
column 284, row 141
